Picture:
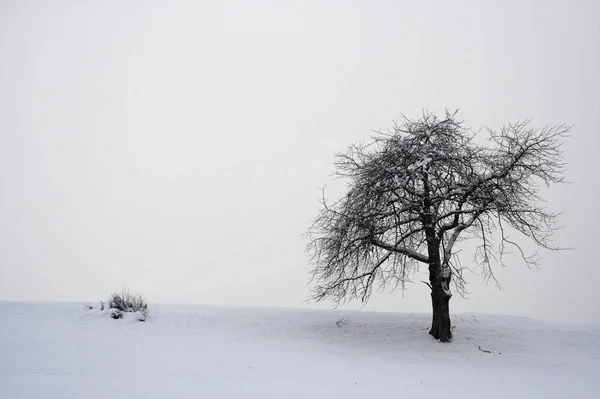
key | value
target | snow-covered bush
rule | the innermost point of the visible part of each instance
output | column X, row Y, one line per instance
column 125, row 301
column 116, row 314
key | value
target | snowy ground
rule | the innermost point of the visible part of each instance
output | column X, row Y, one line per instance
column 64, row 351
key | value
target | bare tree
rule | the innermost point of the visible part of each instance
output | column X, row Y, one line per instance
column 416, row 191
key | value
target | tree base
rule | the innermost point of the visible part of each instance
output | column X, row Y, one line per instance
column 441, row 327
column 441, row 335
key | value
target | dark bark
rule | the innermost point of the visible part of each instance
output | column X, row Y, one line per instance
column 439, row 279
column 440, row 324
column 440, row 297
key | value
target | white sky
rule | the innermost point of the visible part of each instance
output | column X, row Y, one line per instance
column 177, row 148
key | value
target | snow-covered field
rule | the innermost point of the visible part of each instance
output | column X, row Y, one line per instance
column 65, row 351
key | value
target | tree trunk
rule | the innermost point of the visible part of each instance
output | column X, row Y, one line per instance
column 440, row 324
column 439, row 275
column 439, row 279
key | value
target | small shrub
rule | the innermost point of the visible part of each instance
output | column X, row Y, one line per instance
column 116, row 314
column 101, row 305
column 140, row 316
column 125, row 301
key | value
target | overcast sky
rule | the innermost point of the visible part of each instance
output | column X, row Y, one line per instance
column 177, row 148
